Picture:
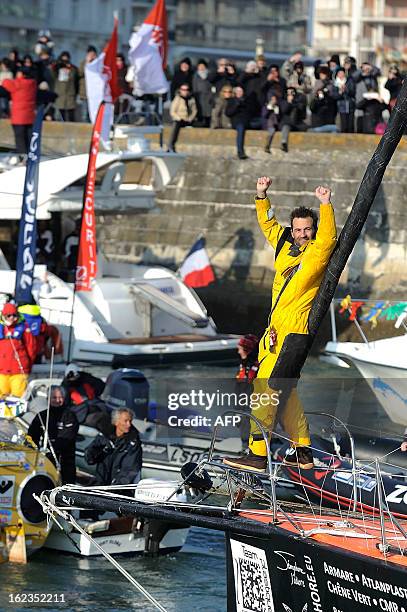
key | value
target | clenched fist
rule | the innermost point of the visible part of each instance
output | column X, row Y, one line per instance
column 263, row 183
column 323, row 194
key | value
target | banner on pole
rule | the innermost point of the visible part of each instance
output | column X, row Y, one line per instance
column 86, row 267
column 27, row 235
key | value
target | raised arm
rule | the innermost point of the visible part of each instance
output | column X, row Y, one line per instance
column 325, row 240
column 265, row 214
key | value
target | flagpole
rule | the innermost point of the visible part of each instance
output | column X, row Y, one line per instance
column 83, row 282
column 160, row 114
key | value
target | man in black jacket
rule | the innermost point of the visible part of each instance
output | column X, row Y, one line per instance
column 119, row 456
column 62, row 431
column 240, row 110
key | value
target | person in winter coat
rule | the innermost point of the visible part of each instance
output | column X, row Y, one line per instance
column 119, row 456
column 183, row 111
column 66, row 86
column 271, row 117
column 46, row 336
column 292, row 111
column 346, row 91
column 182, row 75
column 302, row 256
column 219, row 119
column 274, row 85
column 81, row 386
column 323, row 103
column 5, row 73
column 62, row 431
column 202, row 92
column 18, row 350
column 247, row 349
column 22, row 91
column 293, row 72
column 225, row 74
column 252, row 83
column 393, row 85
column 240, row 112
column 369, row 105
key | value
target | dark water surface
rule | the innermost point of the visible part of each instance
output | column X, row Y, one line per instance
column 194, row 579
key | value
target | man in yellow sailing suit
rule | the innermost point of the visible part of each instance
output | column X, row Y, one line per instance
column 302, row 255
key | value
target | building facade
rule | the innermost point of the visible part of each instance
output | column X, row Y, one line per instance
column 370, row 30
column 74, row 24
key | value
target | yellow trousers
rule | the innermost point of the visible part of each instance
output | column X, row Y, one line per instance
column 267, row 404
column 13, row 384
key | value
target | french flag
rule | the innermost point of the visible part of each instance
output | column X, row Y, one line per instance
column 196, row 271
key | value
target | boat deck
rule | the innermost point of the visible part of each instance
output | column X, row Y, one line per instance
column 355, row 535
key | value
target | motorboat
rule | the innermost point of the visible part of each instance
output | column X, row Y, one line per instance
column 122, row 535
column 126, row 180
column 134, row 315
column 382, row 363
column 26, row 471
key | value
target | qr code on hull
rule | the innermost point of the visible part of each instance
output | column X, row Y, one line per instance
column 252, row 578
column 253, row 587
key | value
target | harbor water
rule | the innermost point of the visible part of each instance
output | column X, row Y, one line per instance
column 194, row 578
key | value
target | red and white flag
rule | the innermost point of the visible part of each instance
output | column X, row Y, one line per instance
column 86, row 265
column 101, row 83
column 148, row 53
column 196, row 270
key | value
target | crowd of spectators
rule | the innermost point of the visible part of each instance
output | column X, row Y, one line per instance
column 329, row 96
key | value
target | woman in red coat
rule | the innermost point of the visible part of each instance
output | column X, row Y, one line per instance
column 23, row 92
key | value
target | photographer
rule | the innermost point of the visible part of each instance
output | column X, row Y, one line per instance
column 66, row 86
column 119, row 456
column 323, row 103
column 225, row 74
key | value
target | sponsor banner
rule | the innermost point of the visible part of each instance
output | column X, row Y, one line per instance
column 7, row 485
column 86, row 268
column 304, row 577
column 27, row 233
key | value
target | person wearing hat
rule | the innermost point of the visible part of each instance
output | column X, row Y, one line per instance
column 247, row 349
column 81, row 387
column 22, row 90
column 18, row 350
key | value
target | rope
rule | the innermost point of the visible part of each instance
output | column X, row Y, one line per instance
column 50, row 509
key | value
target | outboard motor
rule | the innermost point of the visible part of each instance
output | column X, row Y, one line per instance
column 127, row 388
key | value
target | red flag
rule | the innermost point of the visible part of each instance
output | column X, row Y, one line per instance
column 86, row 265
column 157, row 17
column 110, row 68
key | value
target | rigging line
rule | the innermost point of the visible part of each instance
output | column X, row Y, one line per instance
column 45, row 439
column 49, row 508
column 322, row 486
